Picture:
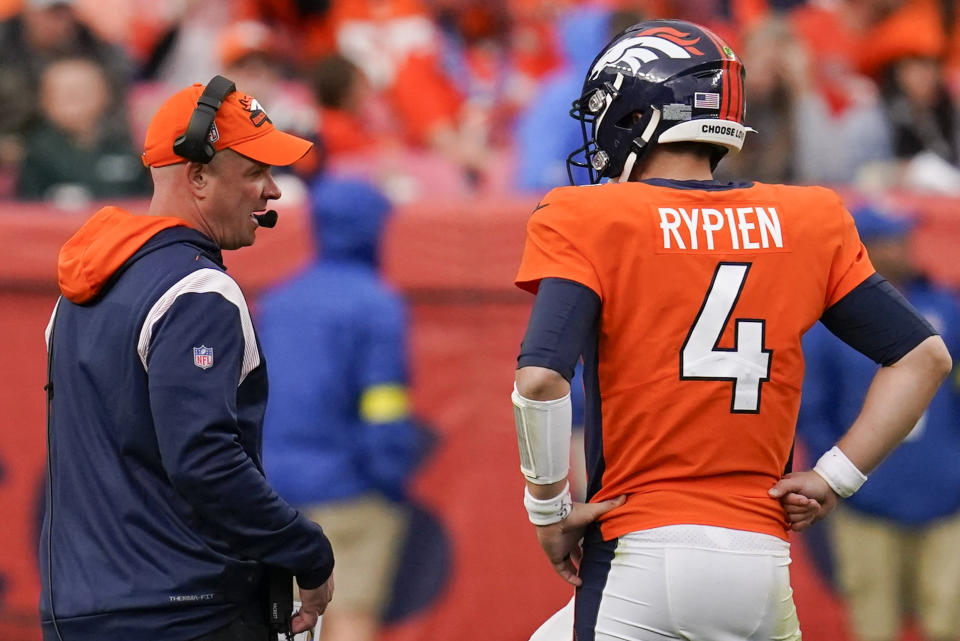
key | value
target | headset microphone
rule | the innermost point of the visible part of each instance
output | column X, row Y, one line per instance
column 267, row 219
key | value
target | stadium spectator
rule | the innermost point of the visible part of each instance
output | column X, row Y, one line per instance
column 78, row 151
column 400, row 51
column 894, row 543
column 158, row 516
column 42, row 32
column 924, row 123
column 178, row 43
column 921, row 114
column 544, row 134
column 495, row 54
column 251, row 58
column 340, row 443
column 303, row 27
column 397, row 47
column 806, row 132
column 347, row 109
column 776, row 84
column 690, row 338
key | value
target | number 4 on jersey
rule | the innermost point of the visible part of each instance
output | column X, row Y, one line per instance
column 747, row 363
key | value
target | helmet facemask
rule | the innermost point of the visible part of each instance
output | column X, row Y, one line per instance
column 619, row 145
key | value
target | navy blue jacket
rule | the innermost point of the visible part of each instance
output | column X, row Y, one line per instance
column 159, row 520
column 920, row 480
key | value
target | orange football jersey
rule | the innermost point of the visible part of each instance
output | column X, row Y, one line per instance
column 694, row 384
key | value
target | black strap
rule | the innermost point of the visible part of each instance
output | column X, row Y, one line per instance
column 279, row 601
column 194, row 145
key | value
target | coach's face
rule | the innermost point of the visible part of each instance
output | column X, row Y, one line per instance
column 235, row 188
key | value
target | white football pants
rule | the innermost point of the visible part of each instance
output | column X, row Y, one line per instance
column 685, row 582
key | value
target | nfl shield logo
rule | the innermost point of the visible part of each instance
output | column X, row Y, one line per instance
column 203, row 357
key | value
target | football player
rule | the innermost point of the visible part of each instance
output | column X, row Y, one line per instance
column 686, row 298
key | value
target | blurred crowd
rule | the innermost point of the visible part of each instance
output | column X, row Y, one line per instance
column 455, row 97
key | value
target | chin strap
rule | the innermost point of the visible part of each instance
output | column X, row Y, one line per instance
column 645, row 137
column 627, row 168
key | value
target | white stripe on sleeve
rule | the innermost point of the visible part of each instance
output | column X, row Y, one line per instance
column 47, row 332
column 204, row 281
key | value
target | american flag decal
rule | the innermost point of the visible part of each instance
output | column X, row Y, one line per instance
column 703, row 100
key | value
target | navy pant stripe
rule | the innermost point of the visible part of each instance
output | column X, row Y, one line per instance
column 594, row 569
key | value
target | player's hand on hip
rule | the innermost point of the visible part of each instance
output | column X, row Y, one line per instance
column 806, row 498
column 801, row 511
column 561, row 541
column 313, row 603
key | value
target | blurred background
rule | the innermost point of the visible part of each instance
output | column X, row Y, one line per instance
column 455, row 111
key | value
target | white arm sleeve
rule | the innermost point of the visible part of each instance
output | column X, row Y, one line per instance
column 543, row 436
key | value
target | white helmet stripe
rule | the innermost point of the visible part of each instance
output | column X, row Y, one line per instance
column 727, row 133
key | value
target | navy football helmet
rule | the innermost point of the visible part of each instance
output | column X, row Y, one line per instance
column 659, row 81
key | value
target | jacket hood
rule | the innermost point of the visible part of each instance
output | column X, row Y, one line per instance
column 101, row 246
column 348, row 217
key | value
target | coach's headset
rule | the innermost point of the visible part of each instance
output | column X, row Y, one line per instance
column 195, row 144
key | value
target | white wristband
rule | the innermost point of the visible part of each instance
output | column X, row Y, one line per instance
column 548, row 511
column 839, row 472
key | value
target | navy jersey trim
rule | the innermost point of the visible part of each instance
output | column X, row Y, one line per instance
column 593, row 413
column 560, row 324
column 702, row 185
column 594, row 570
column 877, row 321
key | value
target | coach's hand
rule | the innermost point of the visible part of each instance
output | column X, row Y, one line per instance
column 313, row 603
column 806, row 498
column 561, row 541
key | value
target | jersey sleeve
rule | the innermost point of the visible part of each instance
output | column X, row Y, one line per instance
column 563, row 317
column 552, row 249
column 383, row 355
column 195, row 417
column 851, row 265
column 391, row 443
column 877, row 321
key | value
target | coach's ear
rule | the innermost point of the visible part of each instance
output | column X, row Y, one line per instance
column 197, row 177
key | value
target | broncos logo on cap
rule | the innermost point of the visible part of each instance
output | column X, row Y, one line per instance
column 630, row 53
column 257, row 115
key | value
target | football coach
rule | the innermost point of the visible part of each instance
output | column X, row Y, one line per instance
column 158, row 522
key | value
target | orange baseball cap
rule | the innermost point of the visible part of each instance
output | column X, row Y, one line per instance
column 241, row 124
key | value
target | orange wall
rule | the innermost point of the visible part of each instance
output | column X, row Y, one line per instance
column 455, row 262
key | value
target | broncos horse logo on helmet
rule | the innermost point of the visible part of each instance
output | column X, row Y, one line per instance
column 659, row 81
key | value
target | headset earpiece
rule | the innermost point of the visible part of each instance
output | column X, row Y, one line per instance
column 194, row 143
